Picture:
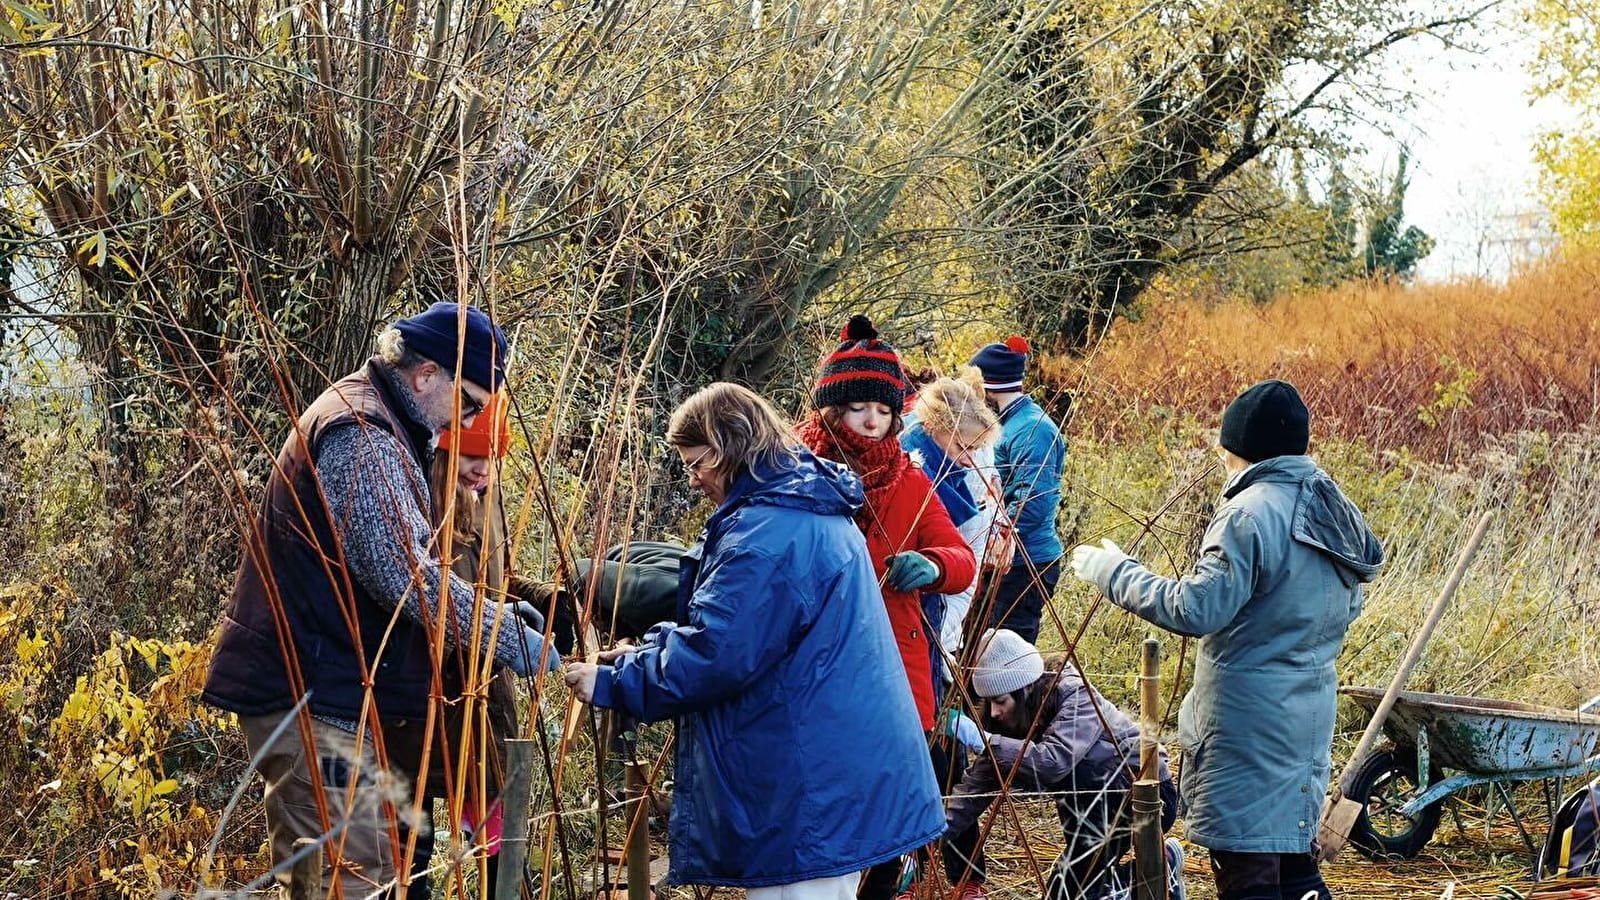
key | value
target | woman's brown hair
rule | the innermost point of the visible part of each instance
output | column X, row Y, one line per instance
column 742, row 429
column 445, row 491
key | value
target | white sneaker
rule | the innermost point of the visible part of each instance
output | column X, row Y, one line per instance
column 1174, row 869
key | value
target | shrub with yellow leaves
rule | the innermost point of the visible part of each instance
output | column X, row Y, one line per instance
column 116, row 783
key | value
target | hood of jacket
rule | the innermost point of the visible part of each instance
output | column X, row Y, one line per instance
column 804, row 481
column 1324, row 518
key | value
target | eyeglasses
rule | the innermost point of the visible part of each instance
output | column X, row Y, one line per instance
column 470, row 405
column 693, row 466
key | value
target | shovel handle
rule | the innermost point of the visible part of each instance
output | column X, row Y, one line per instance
column 1370, row 736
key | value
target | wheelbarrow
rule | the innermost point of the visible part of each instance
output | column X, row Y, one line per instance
column 1476, row 741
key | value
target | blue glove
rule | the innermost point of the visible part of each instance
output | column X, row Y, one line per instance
column 530, row 615
column 963, row 729
column 531, row 654
column 911, row 570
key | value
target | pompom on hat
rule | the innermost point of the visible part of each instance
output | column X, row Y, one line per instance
column 1006, row 663
column 1002, row 363
column 862, row 369
column 488, row 435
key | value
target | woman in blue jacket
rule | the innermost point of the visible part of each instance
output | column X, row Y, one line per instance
column 799, row 759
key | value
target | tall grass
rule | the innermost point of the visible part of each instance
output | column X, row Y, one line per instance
column 1439, row 370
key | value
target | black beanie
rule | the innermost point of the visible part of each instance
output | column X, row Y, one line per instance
column 1268, row 419
column 862, row 369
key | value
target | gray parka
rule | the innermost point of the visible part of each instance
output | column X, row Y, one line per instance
column 1277, row 583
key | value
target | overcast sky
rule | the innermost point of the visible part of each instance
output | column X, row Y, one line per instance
column 1471, row 137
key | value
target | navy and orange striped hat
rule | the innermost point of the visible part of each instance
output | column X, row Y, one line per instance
column 862, row 369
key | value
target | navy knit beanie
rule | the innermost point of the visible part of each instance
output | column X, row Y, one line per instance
column 1268, row 419
column 862, row 369
column 432, row 333
column 1002, row 364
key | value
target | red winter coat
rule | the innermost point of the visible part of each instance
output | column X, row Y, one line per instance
column 914, row 519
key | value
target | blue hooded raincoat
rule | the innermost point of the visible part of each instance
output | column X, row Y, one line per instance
column 1277, row 584
column 799, row 753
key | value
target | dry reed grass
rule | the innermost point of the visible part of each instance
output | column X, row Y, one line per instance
column 1433, row 368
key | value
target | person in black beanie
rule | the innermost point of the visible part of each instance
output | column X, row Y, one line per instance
column 1277, row 584
column 1268, row 419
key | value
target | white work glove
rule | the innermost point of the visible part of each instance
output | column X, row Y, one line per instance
column 1096, row 564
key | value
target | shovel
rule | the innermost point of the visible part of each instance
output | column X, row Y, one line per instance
column 1339, row 814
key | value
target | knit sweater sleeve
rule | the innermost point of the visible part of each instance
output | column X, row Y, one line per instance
column 385, row 537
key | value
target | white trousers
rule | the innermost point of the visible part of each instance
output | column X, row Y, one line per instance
column 839, row 887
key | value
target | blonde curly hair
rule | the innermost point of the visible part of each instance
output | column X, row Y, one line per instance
column 953, row 408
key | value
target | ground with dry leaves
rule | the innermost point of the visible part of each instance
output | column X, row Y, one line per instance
column 1462, row 861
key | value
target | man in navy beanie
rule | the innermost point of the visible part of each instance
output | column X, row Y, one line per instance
column 336, row 610
column 1276, row 586
column 1028, row 457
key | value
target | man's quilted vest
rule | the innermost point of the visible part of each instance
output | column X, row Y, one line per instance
column 298, row 622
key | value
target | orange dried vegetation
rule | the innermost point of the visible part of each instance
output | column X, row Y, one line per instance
column 1433, row 368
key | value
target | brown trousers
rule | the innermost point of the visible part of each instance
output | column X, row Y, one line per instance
column 361, row 801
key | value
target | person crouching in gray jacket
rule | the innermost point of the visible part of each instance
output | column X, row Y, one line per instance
column 1277, row 584
column 1046, row 731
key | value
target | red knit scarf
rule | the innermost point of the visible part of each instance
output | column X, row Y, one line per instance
column 880, row 463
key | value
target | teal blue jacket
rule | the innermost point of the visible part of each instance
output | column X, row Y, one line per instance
column 1277, row 583
column 1028, row 457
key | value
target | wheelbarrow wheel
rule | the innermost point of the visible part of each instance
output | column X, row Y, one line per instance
column 1382, row 784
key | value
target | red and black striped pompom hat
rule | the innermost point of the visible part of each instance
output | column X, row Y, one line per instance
column 862, row 369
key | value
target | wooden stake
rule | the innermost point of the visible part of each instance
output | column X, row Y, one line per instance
column 514, row 818
column 636, row 777
column 1150, row 710
column 1149, row 850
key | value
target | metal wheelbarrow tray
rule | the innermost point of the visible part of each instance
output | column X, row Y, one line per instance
column 1484, row 741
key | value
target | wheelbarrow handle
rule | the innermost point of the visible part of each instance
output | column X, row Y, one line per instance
column 1414, row 652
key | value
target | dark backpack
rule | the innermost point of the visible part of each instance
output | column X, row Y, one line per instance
column 1569, row 851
